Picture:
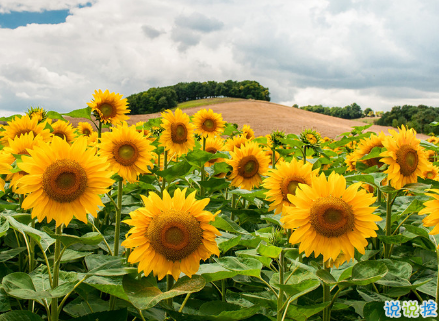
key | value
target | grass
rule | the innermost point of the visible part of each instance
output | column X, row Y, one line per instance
column 207, row 101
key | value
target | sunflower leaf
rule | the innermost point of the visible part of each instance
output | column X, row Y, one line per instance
column 80, row 113
column 242, row 265
column 20, row 315
column 41, row 238
column 55, row 115
column 91, row 238
column 178, row 170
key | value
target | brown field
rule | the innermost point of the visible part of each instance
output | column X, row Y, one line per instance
column 264, row 117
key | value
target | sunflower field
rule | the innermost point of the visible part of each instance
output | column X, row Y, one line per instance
column 193, row 218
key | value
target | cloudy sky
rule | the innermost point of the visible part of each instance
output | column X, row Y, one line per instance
column 379, row 54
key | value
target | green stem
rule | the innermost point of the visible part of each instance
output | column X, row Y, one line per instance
column 169, row 284
column 118, row 218
column 389, row 203
column 332, row 302
column 223, row 290
column 32, row 250
column 273, row 158
column 165, row 166
column 304, row 154
column 326, row 298
column 56, row 263
column 68, row 294
column 100, row 130
column 232, row 216
column 141, row 315
column 184, row 302
column 280, row 298
column 203, row 171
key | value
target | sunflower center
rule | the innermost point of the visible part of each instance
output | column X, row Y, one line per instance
column 290, row 185
column 126, row 153
column 175, row 234
column 107, row 110
column 179, row 133
column 430, row 175
column 212, row 150
column 248, row 166
column 208, row 125
column 407, row 159
column 60, row 135
column 64, row 181
column 86, row 132
column 331, row 216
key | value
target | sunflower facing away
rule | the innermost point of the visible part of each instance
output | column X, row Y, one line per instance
column 171, row 235
column 284, row 180
column 85, row 128
column 249, row 163
column 329, row 218
column 405, row 157
column 63, row 181
column 63, row 130
column 208, row 123
column 37, row 112
column 127, row 151
column 24, row 125
column 109, row 107
column 178, row 134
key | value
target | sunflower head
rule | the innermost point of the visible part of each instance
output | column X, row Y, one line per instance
column 431, row 173
column 171, row 235
column 39, row 113
column 236, row 141
column 364, row 147
column 214, row 145
column 310, row 137
column 108, row 107
column 208, row 123
column 63, row 130
column 20, row 126
column 276, row 137
column 247, row 132
column 178, row 134
column 85, row 129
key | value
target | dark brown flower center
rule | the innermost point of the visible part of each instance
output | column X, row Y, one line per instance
column 208, row 125
column 248, row 166
column 179, row 133
column 107, row 110
column 290, row 185
column 407, row 159
column 125, row 153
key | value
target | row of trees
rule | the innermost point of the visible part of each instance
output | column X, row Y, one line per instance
column 351, row 111
column 417, row 117
column 161, row 98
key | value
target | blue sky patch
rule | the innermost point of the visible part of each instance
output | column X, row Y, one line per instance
column 17, row 19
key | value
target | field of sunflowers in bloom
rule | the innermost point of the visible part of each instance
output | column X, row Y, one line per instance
column 194, row 218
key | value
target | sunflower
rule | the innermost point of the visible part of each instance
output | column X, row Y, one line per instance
column 63, row 181
column 310, row 137
column 171, row 235
column 208, row 123
column 37, row 112
column 19, row 146
column 93, row 139
column 249, row 163
column 284, row 180
column 85, row 128
column 247, row 132
column 350, row 161
column 235, row 141
column 19, row 126
column 4, row 168
column 432, row 208
column 178, row 134
column 109, row 107
column 128, row 152
column 365, row 146
column 63, row 130
column 431, row 173
column 405, row 157
column 329, row 218
column 213, row 145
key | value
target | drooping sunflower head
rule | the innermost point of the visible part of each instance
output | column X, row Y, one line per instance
column 19, row 126
column 329, row 218
column 63, row 130
column 37, row 112
column 285, row 180
column 178, row 134
column 63, row 181
column 276, row 137
column 109, row 108
column 236, row 141
column 247, row 132
column 249, row 164
column 171, row 235
column 208, row 123
column 365, row 146
column 405, row 157
column 213, row 145
column 128, row 152
column 310, row 137
column 85, row 129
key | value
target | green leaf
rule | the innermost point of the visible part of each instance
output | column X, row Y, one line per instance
column 242, row 265
column 143, row 293
column 80, row 113
column 366, row 272
column 4, row 227
column 394, row 239
column 269, row 250
column 178, row 170
column 297, row 290
column 115, row 315
column 71, row 255
column 221, row 167
column 108, row 284
column 326, row 277
column 55, row 115
column 20, row 316
column 20, row 285
column 219, row 310
column 214, row 272
column 223, row 222
column 9, row 254
column 92, row 238
column 4, row 301
column 226, row 244
column 214, row 184
column 418, row 188
column 104, row 265
column 252, row 253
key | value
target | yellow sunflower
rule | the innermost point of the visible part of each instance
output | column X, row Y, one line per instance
column 93, row 139
column 63, row 130
column 247, row 132
column 63, row 181
column 432, row 172
column 213, row 145
column 171, row 235
column 284, row 180
column 208, row 123
column 5, row 168
column 365, row 146
column 37, row 112
column 19, row 146
column 178, row 135
column 310, row 137
column 235, row 141
column 109, row 107
column 329, row 218
column 19, row 126
column 85, row 128
column 249, row 163
column 405, row 157
column 127, row 151
column 351, row 161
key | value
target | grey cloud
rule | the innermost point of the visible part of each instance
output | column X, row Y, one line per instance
column 199, row 22
column 186, row 38
column 151, row 32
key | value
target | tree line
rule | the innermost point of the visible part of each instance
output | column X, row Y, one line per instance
column 351, row 111
column 417, row 117
column 158, row 99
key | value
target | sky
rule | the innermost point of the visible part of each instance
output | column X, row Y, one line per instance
column 379, row 54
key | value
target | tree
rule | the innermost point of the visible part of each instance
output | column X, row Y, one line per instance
column 367, row 111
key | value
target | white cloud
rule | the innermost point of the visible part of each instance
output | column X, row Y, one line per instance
column 6, row 6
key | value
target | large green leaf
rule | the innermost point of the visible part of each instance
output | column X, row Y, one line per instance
column 117, row 315
column 226, row 244
column 104, row 265
column 270, row 251
column 178, row 170
column 214, row 272
column 366, row 272
column 297, row 290
column 20, row 316
column 20, row 285
column 9, row 254
column 92, row 238
column 4, row 301
column 80, row 113
column 199, row 157
column 242, row 265
column 108, row 284
column 223, row 222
